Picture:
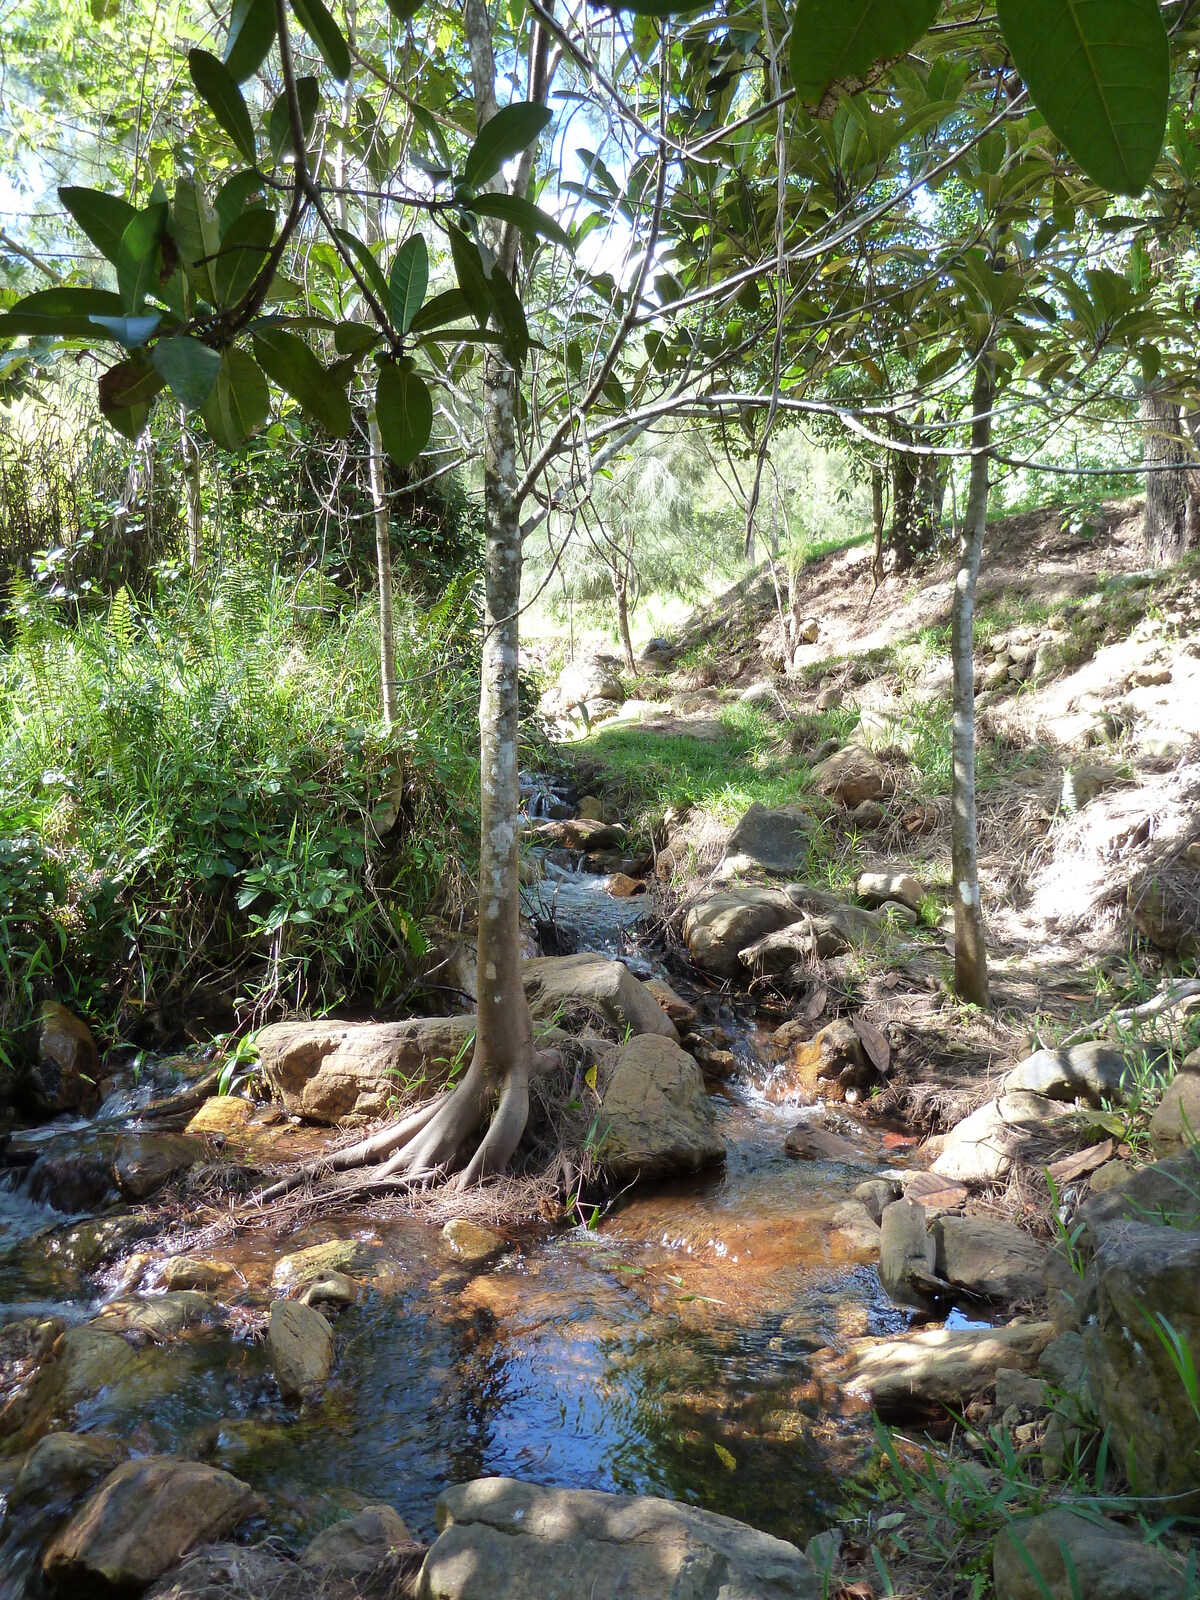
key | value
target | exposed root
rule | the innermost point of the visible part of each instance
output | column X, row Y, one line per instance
column 362, row 1154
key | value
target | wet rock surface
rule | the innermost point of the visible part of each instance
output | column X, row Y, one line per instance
column 655, row 1114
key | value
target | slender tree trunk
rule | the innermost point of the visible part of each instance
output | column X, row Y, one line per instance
column 192, row 484
column 383, row 562
column 775, row 519
column 877, row 523
column 621, row 592
column 1169, row 524
column 970, row 946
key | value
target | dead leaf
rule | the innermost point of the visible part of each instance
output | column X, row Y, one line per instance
column 853, row 1591
column 1074, row 1166
column 816, row 1002
column 934, row 1193
column 892, row 980
column 874, row 1043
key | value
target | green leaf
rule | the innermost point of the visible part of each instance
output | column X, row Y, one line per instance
column 324, row 32
column 404, row 411
column 529, row 218
column 404, row 10
column 102, row 217
column 658, row 8
column 129, row 385
column 468, row 269
column 240, row 400
column 436, row 313
column 244, row 249
column 196, row 235
column 371, row 270
column 244, row 191
column 510, row 316
column 59, row 313
column 279, row 127
column 189, row 368
column 1099, row 72
column 835, row 43
column 506, row 135
column 251, row 35
column 352, row 338
column 129, row 331
column 286, row 358
column 409, row 281
column 139, row 255
column 216, row 86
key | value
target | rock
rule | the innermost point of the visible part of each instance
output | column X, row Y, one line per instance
column 1082, row 783
column 825, row 749
column 63, row 1461
column 303, row 1266
column 1061, row 1555
column 989, row 1259
column 75, row 1172
column 335, row 1072
column 829, row 697
column 87, row 1360
column 808, row 631
column 852, row 1220
column 876, row 1194
column 580, row 833
column 983, row 1148
column 906, row 1253
column 330, row 1289
column 851, row 776
column 1063, row 1363
column 198, row 1272
column 1143, row 1272
column 721, row 925
column 67, row 1069
column 158, row 1317
column 664, row 866
column 829, row 933
column 622, row 887
column 1164, row 916
column 1168, row 1191
column 936, row 1367
column 499, row 1539
column 758, row 693
column 680, row 1012
column 877, row 888
column 143, row 1518
column 808, row 1141
column 357, row 1544
column 656, row 1117
column 468, row 1242
column 591, row 809
column 593, row 984
column 301, row 1348
column 1090, row 1072
column 221, row 1113
column 832, row 1063
column 867, row 815
column 146, row 1161
column 1176, row 1120
column 1109, row 1176
column 1020, row 1389
column 775, row 841
column 583, row 681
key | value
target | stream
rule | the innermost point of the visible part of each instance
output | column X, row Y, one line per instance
column 666, row 1351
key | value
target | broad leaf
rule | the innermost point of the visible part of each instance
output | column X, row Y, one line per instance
column 128, row 386
column 352, row 338
column 529, row 218
column 216, row 85
column 59, row 313
column 244, row 249
column 368, row 266
column 510, row 317
column 404, row 10
column 279, row 127
column 196, row 235
column 189, row 368
column 103, row 217
column 443, row 308
column 1099, row 72
column 139, row 255
column 244, row 190
column 239, row 403
column 468, row 269
column 129, row 331
column 286, row 358
column 324, row 32
column 404, row 411
column 409, row 280
column 251, row 35
column 835, row 43
column 506, row 135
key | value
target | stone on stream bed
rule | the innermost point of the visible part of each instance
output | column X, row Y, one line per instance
column 301, row 1348
column 920, row 1374
column 655, row 1115
column 721, row 925
column 63, row 1461
column 315, row 1260
column 468, row 1242
column 355, row 1545
column 989, row 1259
column 221, row 1113
column 67, row 1070
column 198, row 1272
column 906, row 1254
column 1063, row 1555
column 499, row 1539
column 775, row 841
column 142, row 1519
column 157, row 1317
column 593, row 984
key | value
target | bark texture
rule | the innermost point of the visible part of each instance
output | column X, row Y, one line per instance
column 970, row 947
column 1169, row 526
column 193, row 503
column 383, row 562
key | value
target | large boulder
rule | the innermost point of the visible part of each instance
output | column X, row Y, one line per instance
column 883, row 888
column 336, row 1072
column 356, row 1545
column 63, row 1461
column 67, row 1069
column 1176, row 1120
column 146, row 1161
column 989, row 1259
column 1091, row 1072
column 923, row 1372
column 586, row 983
column 827, row 933
column 655, row 1118
column 850, row 776
column 721, row 925
column 775, row 841
column 142, row 1519
column 984, row 1147
column 301, row 1348
column 580, row 683
column 1062, row 1555
column 499, row 1539
column 1145, row 1273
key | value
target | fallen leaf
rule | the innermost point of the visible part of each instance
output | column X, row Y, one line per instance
column 853, row 1591
column 816, row 1003
column 589, row 1077
column 892, row 981
column 726, row 1457
column 934, row 1193
column 1074, row 1166
column 874, row 1043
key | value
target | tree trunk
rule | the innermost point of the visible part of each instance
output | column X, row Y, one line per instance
column 914, row 530
column 970, row 946
column 1169, row 524
column 192, row 484
column 383, row 562
column 621, row 591
column 877, row 523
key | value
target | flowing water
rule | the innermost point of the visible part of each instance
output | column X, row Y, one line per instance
column 664, row 1351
